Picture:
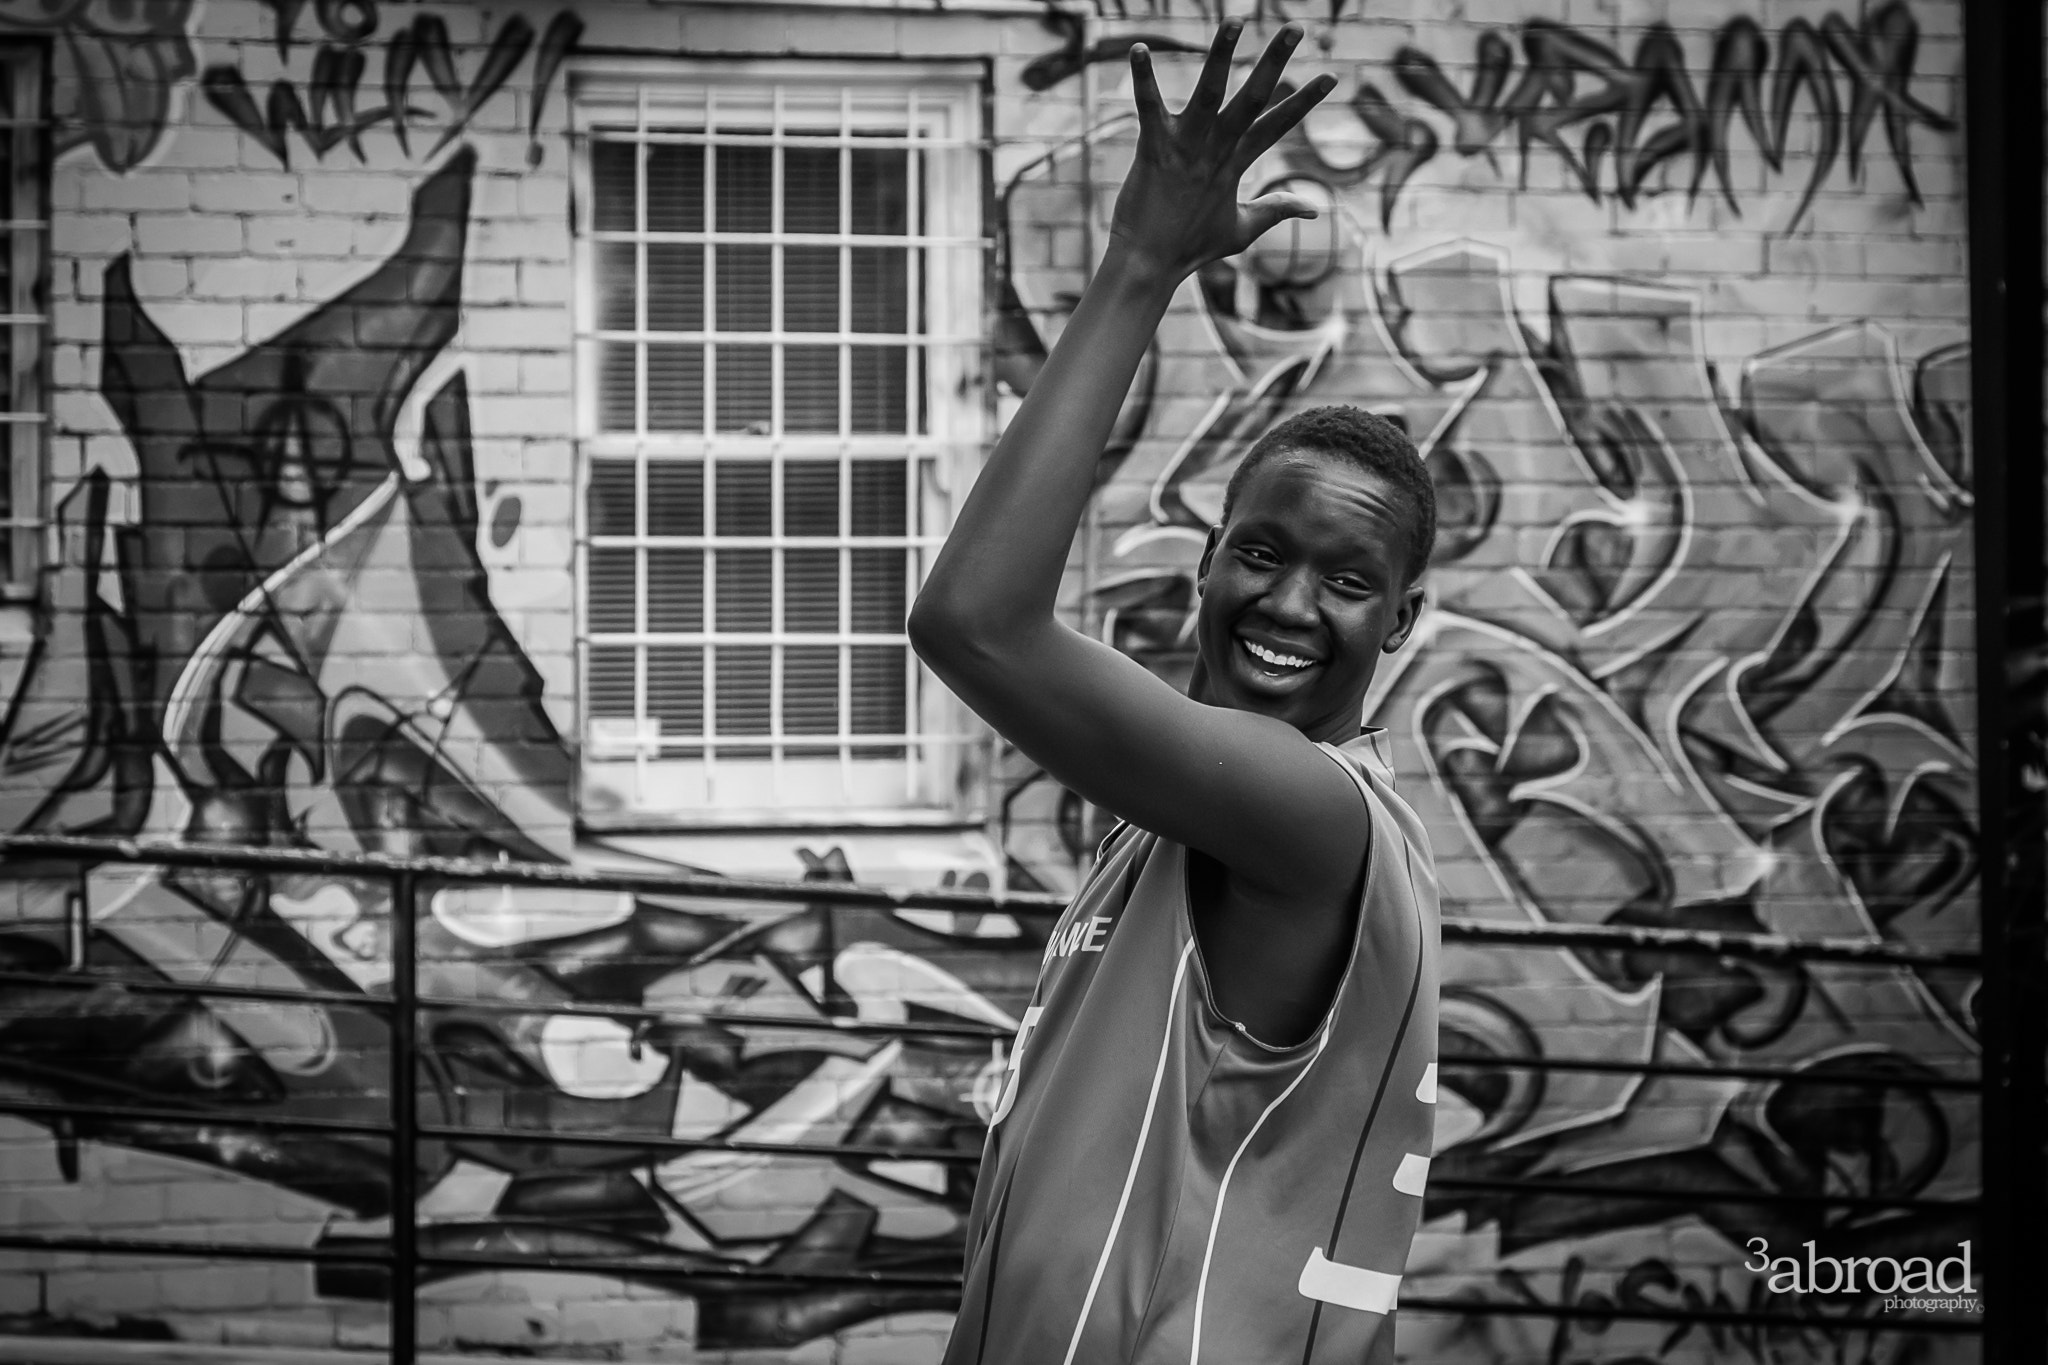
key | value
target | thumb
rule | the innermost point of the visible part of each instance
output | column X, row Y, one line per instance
column 1267, row 210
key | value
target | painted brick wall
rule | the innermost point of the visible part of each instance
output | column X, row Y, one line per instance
column 1670, row 294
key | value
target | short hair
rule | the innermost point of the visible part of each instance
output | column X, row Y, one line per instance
column 1365, row 440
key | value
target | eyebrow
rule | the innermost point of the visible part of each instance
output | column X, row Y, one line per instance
column 1392, row 549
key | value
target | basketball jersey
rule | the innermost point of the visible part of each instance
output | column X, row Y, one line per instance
column 1158, row 1185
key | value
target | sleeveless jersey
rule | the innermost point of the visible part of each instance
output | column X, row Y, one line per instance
column 1158, row 1185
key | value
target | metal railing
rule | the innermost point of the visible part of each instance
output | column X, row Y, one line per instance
column 403, row 1258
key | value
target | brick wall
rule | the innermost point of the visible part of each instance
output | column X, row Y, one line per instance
column 1670, row 294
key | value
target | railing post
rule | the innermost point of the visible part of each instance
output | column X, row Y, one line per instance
column 405, row 1138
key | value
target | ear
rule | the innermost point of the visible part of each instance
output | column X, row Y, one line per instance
column 1208, row 553
column 1405, row 619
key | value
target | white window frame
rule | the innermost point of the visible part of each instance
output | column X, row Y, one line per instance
column 626, row 779
column 23, row 417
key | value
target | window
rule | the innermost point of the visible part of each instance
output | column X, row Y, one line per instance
column 22, row 134
column 779, row 312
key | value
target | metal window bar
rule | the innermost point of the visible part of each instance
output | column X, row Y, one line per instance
column 405, row 1258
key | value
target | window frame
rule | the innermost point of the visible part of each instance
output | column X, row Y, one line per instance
column 25, row 416
column 944, row 753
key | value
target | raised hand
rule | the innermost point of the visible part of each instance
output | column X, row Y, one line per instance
column 1179, row 207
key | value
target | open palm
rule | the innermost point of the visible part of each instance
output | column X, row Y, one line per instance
column 1179, row 207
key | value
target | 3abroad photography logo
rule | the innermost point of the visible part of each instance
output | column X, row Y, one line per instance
column 1916, row 1284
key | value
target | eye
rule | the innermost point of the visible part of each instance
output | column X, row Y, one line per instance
column 1353, row 583
column 1256, row 554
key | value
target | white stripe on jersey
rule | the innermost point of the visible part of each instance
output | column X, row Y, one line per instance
column 1180, row 973
column 1223, row 1189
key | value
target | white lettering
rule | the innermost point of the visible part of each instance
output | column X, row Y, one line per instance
column 1412, row 1174
column 1813, row 1265
column 1082, row 936
column 1942, row 1270
column 1010, row 1081
column 1885, row 1274
column 1348, row 1286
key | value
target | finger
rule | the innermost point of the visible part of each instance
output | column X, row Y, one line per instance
column 1145, row 90
column 1262, row 213
column 1274, row 124
column 1215, row 77
column 1259, row 86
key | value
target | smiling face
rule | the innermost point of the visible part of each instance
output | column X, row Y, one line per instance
column 1302, row 590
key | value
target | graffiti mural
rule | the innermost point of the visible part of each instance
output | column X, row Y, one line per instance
column 1813, row 67
column 1631, row 115
column 323, row 109
column 117, row 66
column 1697, row 656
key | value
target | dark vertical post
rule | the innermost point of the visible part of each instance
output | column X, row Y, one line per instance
column 2002, row 74
column 405, row 1138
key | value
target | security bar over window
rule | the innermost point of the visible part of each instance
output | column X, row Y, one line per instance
column 780, row 306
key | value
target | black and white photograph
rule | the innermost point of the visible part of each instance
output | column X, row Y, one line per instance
column 1023, row 682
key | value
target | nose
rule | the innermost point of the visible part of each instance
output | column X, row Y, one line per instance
column 1291, row 601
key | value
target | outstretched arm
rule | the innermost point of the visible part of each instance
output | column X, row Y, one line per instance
column 1249, row 790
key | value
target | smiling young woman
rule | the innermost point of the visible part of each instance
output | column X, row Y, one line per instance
column 1216, row 1116
column 1313, row 574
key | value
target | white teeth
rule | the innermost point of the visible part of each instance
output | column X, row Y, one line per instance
column 1282, row 660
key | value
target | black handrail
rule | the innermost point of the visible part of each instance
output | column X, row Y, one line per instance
column 968, row 1031
column 1606, row 937
column 382, row 867
column 762, row 1277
